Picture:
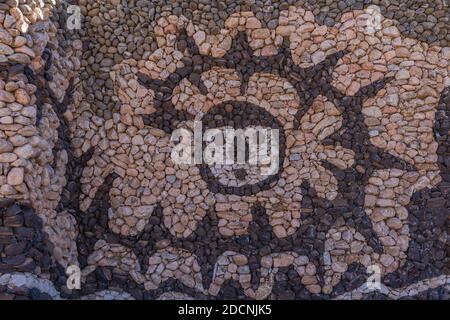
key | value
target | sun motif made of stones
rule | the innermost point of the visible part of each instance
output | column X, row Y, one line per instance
column 140, row 154
column 350, row 129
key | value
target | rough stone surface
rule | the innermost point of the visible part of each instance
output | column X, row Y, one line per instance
column 88, row 178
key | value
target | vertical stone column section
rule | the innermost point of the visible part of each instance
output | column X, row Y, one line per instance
column 35, row 73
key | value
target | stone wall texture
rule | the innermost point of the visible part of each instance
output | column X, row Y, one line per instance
column 358, row 90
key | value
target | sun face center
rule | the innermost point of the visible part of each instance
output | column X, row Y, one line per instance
column 253, row 148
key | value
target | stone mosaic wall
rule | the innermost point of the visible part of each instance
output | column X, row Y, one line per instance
column 87, row 177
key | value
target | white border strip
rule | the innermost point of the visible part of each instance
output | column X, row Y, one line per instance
column 409, row 291
column 27, row 280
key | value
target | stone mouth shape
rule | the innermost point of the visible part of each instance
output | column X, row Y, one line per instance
column 243, row 179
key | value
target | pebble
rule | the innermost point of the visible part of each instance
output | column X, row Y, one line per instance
column 15, row 176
